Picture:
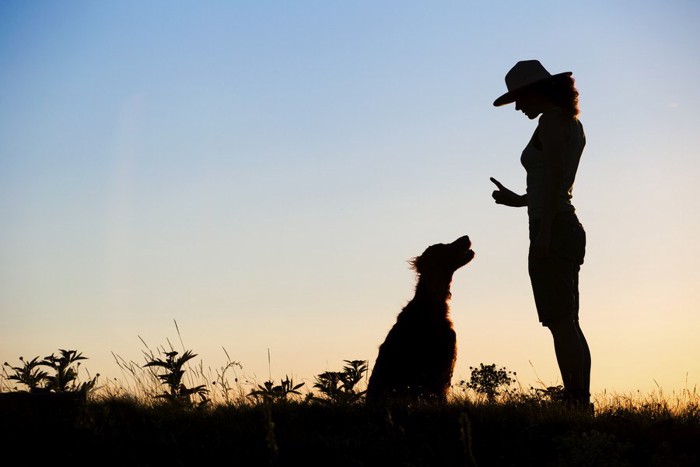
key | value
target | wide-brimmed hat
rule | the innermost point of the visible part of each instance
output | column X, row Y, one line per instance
column 523, row 75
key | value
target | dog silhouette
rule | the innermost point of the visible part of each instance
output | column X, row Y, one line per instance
column 417, row 358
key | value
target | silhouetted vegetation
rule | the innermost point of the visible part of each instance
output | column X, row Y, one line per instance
column 489, row 380
column 486, row 422
column 125, row 431
column 269, row 392
column 172, row 365
column 340, row 386
column 64, row 377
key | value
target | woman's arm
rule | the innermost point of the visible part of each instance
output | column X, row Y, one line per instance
column 506, row 197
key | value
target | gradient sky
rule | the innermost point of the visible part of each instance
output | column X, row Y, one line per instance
column 260, row 172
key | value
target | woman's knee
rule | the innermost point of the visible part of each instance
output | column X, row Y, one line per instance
column 563, row 326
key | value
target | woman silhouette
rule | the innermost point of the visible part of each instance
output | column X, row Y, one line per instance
column 557, row 239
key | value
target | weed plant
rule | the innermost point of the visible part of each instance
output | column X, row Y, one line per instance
column 62, row 379
column 341, row 386
column 268, row 392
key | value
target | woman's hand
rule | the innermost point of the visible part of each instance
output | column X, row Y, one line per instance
column 506, row 197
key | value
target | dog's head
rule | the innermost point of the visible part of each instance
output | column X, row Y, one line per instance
column 444, row 258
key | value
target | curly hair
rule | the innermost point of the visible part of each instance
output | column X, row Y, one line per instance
column 562, row 91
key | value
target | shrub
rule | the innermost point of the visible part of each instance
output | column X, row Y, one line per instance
column 490, row 381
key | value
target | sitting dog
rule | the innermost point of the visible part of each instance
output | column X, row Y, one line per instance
column 417, row 358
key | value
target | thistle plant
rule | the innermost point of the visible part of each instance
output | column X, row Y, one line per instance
column 172, row 378
column 268, row 392
column 28, row 374
column 339, row 386
column 64, row 378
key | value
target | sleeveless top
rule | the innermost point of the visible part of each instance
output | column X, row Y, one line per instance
column 533, row 160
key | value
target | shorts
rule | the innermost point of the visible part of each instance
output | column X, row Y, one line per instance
column 555, row 279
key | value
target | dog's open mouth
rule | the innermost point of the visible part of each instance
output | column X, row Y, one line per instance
column 470, row 254
column 466, row 244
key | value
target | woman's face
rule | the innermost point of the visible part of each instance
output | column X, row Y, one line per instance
column 529, row 103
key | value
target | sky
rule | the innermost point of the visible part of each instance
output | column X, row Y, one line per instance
column 261, row 172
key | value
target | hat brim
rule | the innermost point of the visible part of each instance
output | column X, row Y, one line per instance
column 513, row 94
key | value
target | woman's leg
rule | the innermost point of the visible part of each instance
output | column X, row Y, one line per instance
column 574, row 359
column 586, row 360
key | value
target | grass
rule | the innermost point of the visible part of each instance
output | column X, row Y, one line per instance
column 123, row 430
column 116, row 427
column 171, row 411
